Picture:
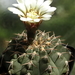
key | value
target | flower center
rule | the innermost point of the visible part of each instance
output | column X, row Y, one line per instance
column 32, row 14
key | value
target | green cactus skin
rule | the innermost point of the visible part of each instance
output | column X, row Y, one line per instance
column 45, row 56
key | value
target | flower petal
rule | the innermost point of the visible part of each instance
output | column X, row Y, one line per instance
column 27, row 4
column 16, row 5
column 47, row 9
column 47, row 15
column 21, row 7
column 50, row 1
column 51, row 9
column 33, row 4
column 47, row 2
column 43, row 9
column 37, row 20
column 39, row 2
column 15, row 11
column 25, row 19
column 45, row 18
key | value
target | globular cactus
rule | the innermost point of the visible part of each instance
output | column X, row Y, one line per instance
column 45, row 56
column 35, row 52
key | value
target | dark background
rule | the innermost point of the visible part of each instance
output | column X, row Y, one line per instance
column 62, row 23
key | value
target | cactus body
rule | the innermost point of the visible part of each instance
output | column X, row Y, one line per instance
column 45, row 56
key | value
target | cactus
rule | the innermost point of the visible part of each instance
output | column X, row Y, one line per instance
column 45, row 56
column 34, row 52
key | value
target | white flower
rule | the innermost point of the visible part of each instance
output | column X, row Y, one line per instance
column 33, row 10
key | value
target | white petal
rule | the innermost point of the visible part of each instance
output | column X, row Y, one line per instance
column 27, row 4
column 25, row 19
column 16, row 5
column 43, row 9
column 46, row 9
column 46, row 18
column 15, row 11
column 51, row 9
column 39, row 2
column 47, row 15
column 20, row 6
column 36, row 20
column 47, row 2
column 33, row 4
column 29, row 19
column 50, row 1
